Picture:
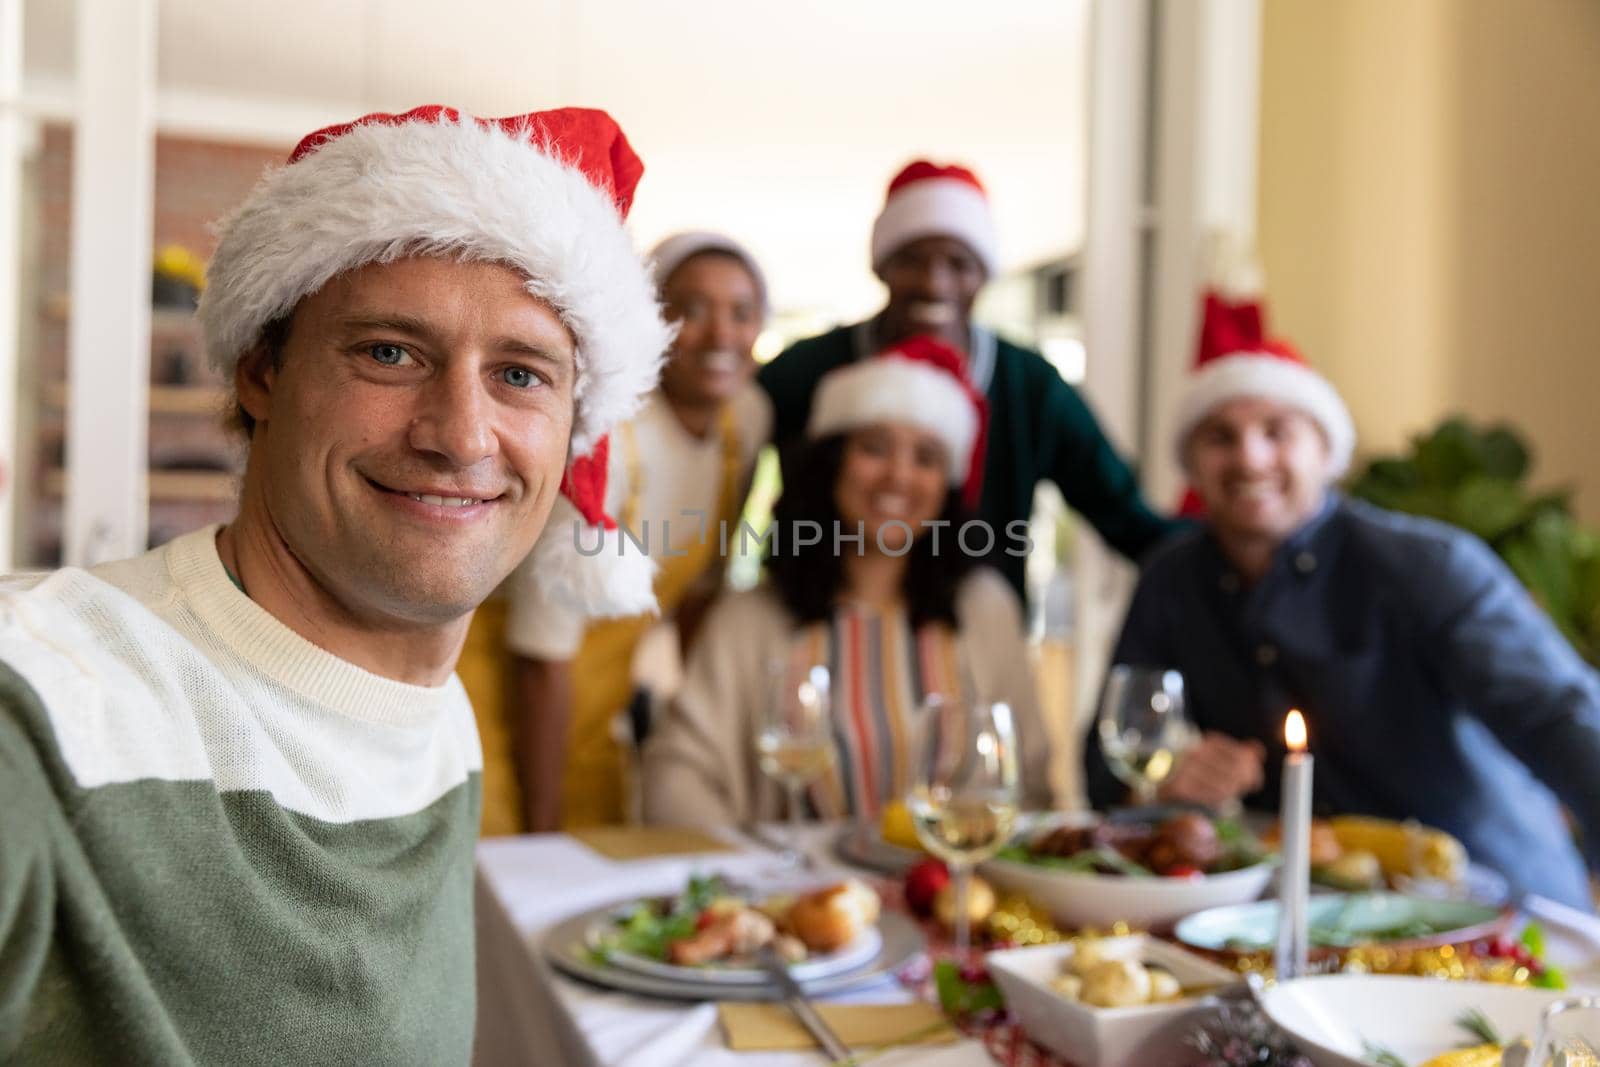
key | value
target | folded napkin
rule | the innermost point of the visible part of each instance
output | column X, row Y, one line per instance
column 771, row 1027
column 642, row 842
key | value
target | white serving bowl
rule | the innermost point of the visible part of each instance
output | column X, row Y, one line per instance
column 1076, row 899
column 1151, row 1035
column 1329, row 1016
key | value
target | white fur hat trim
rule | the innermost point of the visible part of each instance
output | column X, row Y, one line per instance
column 1256, row 374
column 887, row 389
column 591, row 570
column 674, row 251
column 457, row 189
column 937, row 207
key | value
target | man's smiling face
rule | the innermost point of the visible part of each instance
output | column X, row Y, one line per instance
column 1261, row 466
column 411, row 437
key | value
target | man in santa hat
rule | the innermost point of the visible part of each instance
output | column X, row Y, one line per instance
column 1433, row 687
column 934, row 247
column 238, row 778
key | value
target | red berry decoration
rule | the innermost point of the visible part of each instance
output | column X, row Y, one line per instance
column 923, row 882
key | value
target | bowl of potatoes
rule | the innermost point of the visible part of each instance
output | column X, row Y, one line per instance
column 1109, row 1001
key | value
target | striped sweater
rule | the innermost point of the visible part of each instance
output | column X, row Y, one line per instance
column 700, row 766
column 218, row 842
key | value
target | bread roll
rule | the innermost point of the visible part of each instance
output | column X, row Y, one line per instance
column 830, row 918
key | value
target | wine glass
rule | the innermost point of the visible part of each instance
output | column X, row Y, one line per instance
column 1569, row 1034
column 1143, row 728
column 964, row 790
column 795, row 743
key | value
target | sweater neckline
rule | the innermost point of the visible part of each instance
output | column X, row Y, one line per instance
column 257, row 637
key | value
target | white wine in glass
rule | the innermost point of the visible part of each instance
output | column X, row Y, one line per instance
column 791, row 760
column 794, row 745
column 1143, row 728
column 964, row 830
column 965, row 790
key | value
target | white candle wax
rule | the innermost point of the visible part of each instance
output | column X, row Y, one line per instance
column 1294, row 882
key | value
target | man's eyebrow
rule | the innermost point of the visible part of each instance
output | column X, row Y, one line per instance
column 393, row 323
column 517, row 346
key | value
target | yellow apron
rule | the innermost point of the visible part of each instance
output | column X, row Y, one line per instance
column 592, row 788
column 485, row 670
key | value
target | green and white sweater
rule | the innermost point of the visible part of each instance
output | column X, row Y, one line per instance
column 220, row 844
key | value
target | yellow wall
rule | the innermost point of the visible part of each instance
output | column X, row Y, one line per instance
column 1430, row 213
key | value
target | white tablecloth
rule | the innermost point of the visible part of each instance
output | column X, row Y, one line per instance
column 530, row 1015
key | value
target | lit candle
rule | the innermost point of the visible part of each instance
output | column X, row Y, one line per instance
column 1294, row 878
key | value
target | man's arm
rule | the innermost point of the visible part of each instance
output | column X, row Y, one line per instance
column 541, row 710
column 28, row 814
column 1504, row 658
column 1093, row 478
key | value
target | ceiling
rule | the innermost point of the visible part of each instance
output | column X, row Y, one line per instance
column 777, row 123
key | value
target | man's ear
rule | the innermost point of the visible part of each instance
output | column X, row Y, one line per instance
column 253, row 378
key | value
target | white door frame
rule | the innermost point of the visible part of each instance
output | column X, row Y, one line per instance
column 108, row 338
column 11, row 142
column 1174, row 117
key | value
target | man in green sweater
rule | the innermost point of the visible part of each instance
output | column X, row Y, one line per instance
column 239, row 781
column 933, row 246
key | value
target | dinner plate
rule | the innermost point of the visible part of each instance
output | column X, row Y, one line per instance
column 567, row 949
column 1254, row 927
column 857, row 952
column 862, row 846
column 1334, row 1018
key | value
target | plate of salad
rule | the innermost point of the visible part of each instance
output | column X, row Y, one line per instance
column 1149, row 871
column 710, row 934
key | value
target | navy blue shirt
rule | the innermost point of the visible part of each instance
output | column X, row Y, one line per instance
column 1433, row 687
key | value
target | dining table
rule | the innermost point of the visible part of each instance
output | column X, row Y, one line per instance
column 529, row 1013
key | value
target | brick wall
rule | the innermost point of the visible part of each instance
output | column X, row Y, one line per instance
column 196, row 183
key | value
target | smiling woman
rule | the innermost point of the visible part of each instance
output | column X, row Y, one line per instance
column 869, row 577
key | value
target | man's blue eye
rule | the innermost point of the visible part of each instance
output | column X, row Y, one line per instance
column 388, row 355
column 519, row 377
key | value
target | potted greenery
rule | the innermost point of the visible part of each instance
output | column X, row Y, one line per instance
column 1474, row 479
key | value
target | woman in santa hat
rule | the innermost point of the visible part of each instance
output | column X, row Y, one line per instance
column 871, row 574
column 548, row 680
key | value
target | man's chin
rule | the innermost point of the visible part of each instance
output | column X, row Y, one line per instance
column 1252, row 522
column 438, row 601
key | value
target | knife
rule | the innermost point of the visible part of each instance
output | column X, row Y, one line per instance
column 802, row 1008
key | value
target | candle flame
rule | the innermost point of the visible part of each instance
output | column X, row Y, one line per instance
column 1294, row 730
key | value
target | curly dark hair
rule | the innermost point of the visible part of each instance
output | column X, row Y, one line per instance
column 809, row 580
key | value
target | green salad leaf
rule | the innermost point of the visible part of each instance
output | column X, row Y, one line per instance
column 649, row 927
column 960, row 995
column 1086, row 862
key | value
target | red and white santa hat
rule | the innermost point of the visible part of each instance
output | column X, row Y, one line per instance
column 1235, row 358
column 922, row 381
column 545, row 193
column 929, row 200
